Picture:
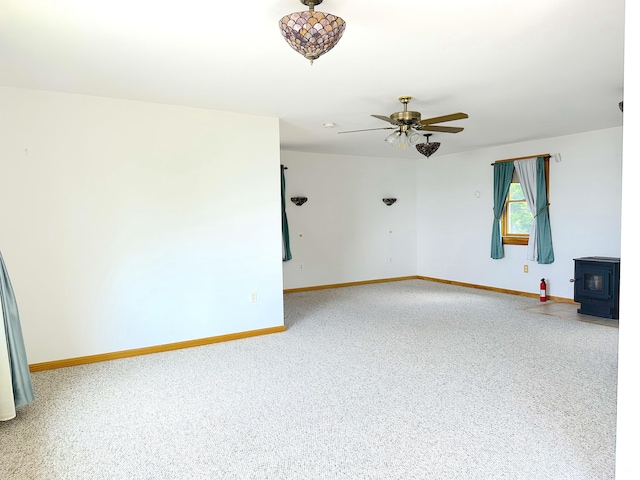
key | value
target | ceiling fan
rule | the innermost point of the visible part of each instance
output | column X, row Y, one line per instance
column 408, row 125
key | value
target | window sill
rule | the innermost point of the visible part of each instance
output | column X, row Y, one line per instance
column 515, row 240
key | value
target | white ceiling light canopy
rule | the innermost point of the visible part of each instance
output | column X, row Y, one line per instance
column 312, row 33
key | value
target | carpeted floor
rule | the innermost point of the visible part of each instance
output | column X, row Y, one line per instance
column 404, row 380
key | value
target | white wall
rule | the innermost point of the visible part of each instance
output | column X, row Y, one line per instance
column 441, row 229
column 345, row 233
column 454, row 226
column 128, row 224
column 628, row 414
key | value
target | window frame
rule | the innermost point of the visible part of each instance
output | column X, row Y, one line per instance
column 521, row 239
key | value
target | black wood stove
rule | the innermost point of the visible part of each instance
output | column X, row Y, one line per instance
column 597, row 286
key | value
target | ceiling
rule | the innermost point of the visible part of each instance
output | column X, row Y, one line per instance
column 521, row 70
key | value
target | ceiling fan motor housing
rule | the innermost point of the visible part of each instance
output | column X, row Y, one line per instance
column 406, row 117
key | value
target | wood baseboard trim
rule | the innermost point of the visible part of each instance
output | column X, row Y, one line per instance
column 499, row 290
column 429, row 279
column 103, row 357
column 349, row 284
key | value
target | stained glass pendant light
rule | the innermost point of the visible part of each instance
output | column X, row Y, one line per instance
column 428, row 149
column 312, row 33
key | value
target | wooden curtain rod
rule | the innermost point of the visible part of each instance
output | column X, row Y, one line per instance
column 522, row 158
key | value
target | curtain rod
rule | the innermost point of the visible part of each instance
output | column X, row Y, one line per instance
column 286, row 168
column 522, row 158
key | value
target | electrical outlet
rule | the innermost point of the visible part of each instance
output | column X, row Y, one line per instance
column 526, row 269
column 389, row 259
column 253, row 297
column 300, row 266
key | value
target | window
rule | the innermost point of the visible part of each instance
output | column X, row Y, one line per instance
column 517, row 219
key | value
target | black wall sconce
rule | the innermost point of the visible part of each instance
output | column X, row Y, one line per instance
column 299, row 200
column 389, row 201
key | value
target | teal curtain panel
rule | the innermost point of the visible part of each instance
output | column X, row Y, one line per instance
column 543, row 225
column 502, row 175
column 286, row 247
column 14, row 368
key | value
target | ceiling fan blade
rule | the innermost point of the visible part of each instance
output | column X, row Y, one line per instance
column 383, row 118
column 438, row 128
column 369, row 129
column 444, row 118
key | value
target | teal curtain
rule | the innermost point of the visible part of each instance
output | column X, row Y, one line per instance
column 20, row 375
column 286, row 248
column 543, row 226
column 502, row 175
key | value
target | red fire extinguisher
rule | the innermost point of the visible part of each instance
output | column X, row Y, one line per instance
column 543, row 291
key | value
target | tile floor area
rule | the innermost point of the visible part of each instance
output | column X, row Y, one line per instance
column 570, row 312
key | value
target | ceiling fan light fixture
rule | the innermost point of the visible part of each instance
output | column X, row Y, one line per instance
column 393, row 138
column 414, row 136
column 312, row 33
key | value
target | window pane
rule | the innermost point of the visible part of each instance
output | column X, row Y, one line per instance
column 520, row 219
column 515, row 192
